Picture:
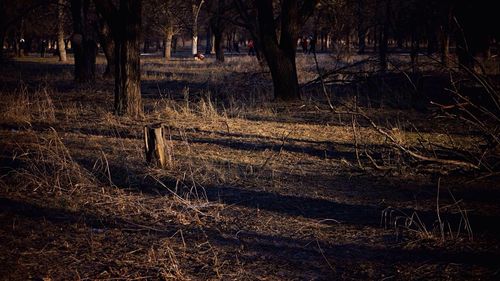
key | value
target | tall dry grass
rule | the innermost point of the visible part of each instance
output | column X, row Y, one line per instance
column 24, row 105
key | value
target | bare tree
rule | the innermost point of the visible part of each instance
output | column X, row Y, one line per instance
column 169, row 29
column 280, row 52
column 195, row 10
column 61, row 46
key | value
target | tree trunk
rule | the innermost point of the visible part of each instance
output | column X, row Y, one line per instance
column 280, row 55
column 212, row 43
column 167, row 50
column 361, row 28
column 128, row 67
column 399, row 40
column 384, row 38
column 2, row 42
column 284, row 74
column 415, row 48
column 445, row 37
column 219, row 49
column 2, row 27
column 194, row 36
column 83, row 43
column 60, row 31
column 174, row 44
column 145, row 48
column 194, row 45
column 108, row 47
column 218, row 31
column 432, row 41
column 208, row 45
column 445, row 48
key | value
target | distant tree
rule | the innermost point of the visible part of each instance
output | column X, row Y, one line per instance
column 14, row 21
column 169, row 25
column 125, row 24
column 361, row 26
column 189, row 12
column 162, row 20
column 247, row 18
column 61, row 46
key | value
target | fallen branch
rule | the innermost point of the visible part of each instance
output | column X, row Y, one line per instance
column 396, row 144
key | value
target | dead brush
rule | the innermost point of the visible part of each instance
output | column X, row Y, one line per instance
column 43, row 105
column 16, row 107
column 441, row 229
column 49, row 167
column 23, row 107
column 480, row 111
column 165, row 258
column 206, row 107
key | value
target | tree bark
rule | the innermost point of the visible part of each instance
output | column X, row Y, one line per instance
column 194, row 44
column 128, row 67
column 60, row 31
column 167, row 50
column 125, row 24
column 219, row 48
column 218, row 31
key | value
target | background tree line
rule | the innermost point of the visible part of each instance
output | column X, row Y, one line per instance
column 460, row 30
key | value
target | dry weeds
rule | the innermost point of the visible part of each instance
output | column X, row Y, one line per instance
column 256, row 190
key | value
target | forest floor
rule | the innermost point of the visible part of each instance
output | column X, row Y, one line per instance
column 255, row 190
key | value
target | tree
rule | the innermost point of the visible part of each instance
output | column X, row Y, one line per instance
column 108, row 46
column 61, row 46
column 248, row 20
column 217, row 27
column 169, row 30
column 361, row 27
column 125, row 25
column 83, row 41
column 193, row 28
column 280, row 52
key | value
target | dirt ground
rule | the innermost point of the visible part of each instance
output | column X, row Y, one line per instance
column 254, row 190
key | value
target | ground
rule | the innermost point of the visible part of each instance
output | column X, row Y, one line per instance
column 254, row 190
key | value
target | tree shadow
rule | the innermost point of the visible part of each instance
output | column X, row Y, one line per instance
column 294, row 255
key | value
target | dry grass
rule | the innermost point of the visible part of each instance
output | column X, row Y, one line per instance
column 255, row 191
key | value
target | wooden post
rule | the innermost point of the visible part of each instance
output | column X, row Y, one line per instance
column 155, row 145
